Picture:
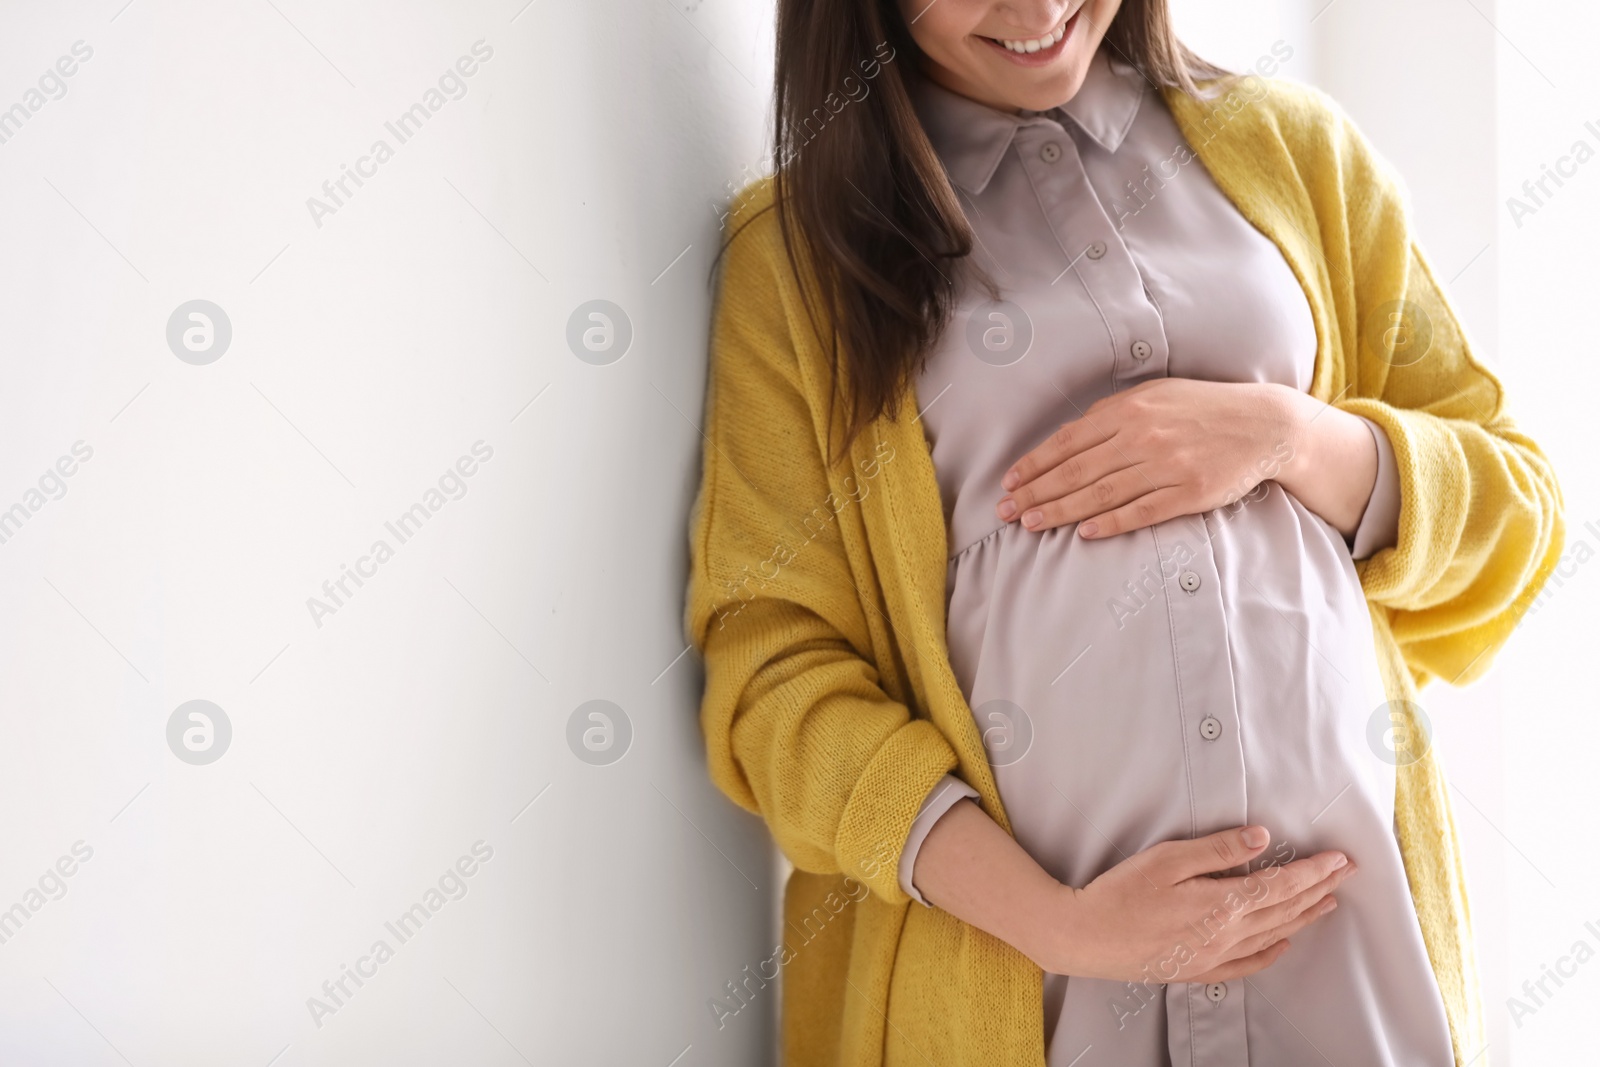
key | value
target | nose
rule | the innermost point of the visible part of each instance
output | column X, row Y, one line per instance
column 1036, row 18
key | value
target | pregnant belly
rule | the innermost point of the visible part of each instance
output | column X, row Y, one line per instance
column 1207, row 672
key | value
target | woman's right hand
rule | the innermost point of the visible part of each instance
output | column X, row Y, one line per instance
column 1161, row 916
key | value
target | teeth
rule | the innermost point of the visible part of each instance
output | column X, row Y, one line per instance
column 1036, row 43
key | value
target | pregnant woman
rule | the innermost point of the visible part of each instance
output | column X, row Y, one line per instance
column 1094, row 473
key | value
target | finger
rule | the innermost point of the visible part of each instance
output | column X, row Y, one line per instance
column 1183, row 859
column 1070, row 475
column 1244, row 966
column 1069, row 439
column 1283, row 882
column 1153, row 507
column 1114, row 490
column 1249, row 946
column 1269, row 918
column 1239, row 931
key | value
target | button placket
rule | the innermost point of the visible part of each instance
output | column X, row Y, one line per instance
column 1103, row 264
column 1213, row 1034
column 1094, row 250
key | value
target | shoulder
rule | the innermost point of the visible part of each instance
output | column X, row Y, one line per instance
column 755, row 196
column 1294, row 106
column 759, row 271
column 1310, row 124
column 1245, row 108
column 1279, row 123
column 750, row 227
column 758, row 317
column 750, row 246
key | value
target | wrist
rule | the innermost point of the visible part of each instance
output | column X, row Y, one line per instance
column 1057, row 939
column 1332, row 462
column 1294, row 437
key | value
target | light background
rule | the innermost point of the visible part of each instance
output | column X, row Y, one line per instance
column 588, row 159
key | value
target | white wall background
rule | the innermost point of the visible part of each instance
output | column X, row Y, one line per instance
column 586, row 159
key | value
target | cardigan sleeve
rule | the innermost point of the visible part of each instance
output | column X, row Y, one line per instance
column 1481, row 521
column 797, row 727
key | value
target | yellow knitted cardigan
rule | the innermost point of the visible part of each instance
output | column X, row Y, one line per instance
column 816, row 595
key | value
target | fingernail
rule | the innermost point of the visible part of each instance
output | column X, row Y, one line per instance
column 1089, row 529
column 1327, row 906
column 1340, row 860
column 1032, row 519
column 1008, row 508
column 1254, row 836
column 1009, row 482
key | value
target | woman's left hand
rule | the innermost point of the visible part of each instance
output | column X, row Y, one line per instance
column 1163, row 448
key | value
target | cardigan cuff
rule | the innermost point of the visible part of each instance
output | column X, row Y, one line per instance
column 1380, row 522
column 884, row 802
column 941, row 798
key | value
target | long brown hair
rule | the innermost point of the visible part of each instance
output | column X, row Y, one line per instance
column 856, row 181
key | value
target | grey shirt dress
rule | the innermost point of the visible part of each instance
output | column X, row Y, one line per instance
column 1211, row 671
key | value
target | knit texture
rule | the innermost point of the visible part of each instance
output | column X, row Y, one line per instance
column 816, row 595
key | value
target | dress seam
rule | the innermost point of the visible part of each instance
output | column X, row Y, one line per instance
column 957, row 555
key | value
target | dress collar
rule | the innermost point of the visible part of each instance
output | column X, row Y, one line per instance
column 971, row 137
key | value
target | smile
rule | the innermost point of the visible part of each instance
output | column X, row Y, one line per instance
column 1035, row 51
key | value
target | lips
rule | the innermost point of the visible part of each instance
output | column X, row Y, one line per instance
column 1017, row 50
column 1033, row 44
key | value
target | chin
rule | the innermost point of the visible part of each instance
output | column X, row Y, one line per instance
column 1047, row 93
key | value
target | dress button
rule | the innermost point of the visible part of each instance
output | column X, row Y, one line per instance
column 1189, row 580
column 1095, row 250
column 1050, row 152
column 1141, row 350
column 1215, row 991
column 1210, row 727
